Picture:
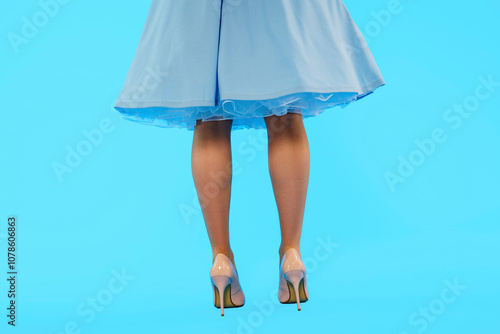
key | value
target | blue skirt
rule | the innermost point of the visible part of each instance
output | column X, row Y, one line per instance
column 244, row 60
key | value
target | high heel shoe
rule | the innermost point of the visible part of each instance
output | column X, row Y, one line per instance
column 225, row 282
column 293, row 279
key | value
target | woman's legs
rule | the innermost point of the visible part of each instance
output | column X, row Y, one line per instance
column 288, row 150
column 212, row 174
column 288, row 167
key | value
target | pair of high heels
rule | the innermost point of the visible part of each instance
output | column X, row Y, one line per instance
column 228, row 292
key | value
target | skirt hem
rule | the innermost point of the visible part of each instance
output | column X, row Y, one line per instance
column 246, row 114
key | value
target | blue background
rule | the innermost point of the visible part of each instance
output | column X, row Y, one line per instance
column 378, row 257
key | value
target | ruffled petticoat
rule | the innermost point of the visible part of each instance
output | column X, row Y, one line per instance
column 243, row 60
column 245, row 114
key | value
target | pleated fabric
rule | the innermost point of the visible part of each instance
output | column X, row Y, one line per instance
column 213, row 60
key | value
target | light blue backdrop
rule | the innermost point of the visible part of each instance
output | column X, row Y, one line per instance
column 401, row 230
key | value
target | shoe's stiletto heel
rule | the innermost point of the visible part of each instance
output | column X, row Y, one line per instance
column 293, row 279
column 226, row 286
column 221, row 282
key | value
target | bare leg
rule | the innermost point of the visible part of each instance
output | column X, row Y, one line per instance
column 212, row 174
column 289, row 170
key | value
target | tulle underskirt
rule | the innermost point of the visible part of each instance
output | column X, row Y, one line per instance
column 246, row 114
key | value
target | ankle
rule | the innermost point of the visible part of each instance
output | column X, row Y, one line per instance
column 227, row 252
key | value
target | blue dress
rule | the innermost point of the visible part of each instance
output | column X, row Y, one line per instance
column 245, row 60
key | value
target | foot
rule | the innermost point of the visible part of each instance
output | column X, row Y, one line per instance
column 226, row 285
column 292, row 283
